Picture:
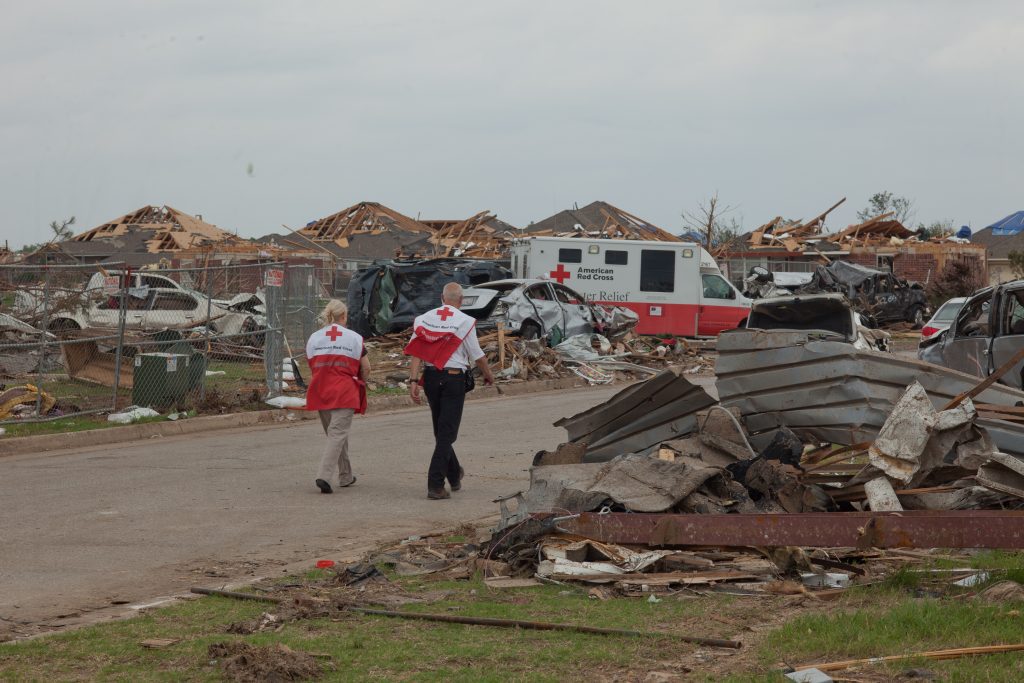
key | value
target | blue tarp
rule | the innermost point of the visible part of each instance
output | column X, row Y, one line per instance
column 1011, row 225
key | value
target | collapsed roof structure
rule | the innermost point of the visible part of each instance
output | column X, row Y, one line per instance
column 482, row 235
column 137, row 238
column 163, row 228
column 369, row 230
column 599, row 219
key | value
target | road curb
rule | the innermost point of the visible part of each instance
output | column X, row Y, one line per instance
column 21, row 445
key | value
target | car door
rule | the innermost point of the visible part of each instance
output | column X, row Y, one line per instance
column 1009, row 333
column 170, row 308
column 578, row 316
column 549, row 311
column 966, row 343
column 106, row 312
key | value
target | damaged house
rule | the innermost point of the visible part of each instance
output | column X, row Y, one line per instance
column 599, row 219
column 881, row 243
column 369, row 231
column 143, row 237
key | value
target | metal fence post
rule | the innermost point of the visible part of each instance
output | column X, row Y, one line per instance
column 122, row 317
column 207, row 348
column 41, row 367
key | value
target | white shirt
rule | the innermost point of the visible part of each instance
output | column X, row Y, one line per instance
column 467, row 354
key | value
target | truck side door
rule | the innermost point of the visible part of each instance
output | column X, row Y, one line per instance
column 887, row 303
column 718, row 306
column 1009, row 333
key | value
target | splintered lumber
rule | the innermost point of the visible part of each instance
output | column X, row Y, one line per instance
column 545, row 626
column 955, row 653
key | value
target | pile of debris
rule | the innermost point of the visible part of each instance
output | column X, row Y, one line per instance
column 812, row 445
column 591, row 357
column 483, row 235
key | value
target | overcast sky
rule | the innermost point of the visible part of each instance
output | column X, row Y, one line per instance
column 259, row 113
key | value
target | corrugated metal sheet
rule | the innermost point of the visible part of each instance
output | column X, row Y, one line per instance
column 833, row 392
column 639, row 417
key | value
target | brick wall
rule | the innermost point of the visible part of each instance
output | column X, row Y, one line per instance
column 922, row 268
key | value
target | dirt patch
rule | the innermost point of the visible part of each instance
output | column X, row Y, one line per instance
column 245, row 663
column 1004, row 591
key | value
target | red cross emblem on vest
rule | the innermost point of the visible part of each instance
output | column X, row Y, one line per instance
column 334, row 333
column 560, row 274
column 444, row 313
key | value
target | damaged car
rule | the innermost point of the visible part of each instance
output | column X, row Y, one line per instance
column 540, row 309
column 151, row 302
column 149, row 309
column 985, row 335
column 876, row 294
column 831, row 315
column 387, row 296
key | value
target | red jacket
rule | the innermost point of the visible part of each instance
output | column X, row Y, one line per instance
column 334, row 354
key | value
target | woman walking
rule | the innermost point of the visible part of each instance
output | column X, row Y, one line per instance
column 339, row 366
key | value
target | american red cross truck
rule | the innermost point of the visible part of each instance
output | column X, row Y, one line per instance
column 674, row 287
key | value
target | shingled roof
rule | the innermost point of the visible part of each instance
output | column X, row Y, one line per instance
column 600, row 219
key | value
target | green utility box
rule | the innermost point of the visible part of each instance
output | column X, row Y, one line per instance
column 165, row 380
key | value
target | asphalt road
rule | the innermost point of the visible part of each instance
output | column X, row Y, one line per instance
column 84, row 529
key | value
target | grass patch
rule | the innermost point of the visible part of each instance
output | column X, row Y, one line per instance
column 364, row 647
column 872, row 621
column 388, row 391
column 69, row 425
column 907, row 626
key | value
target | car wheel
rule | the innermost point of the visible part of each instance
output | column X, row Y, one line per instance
column 917, row 317
column 529, row 331
column 63, row 325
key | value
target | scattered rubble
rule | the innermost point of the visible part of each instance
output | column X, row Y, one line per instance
column 591, row 357
column 245, row 663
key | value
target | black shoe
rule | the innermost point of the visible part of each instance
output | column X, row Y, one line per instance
column 457, row 485
column 345, row 486
column 439, row 494
column 323, row 486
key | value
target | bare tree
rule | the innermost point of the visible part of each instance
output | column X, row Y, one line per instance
column 902, row 208
column 62, row 230
column 708, row 220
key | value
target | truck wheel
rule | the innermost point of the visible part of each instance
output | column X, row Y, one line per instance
column 529, row 331
column 917, row 317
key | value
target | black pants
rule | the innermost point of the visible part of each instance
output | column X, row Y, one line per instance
column 446, row 394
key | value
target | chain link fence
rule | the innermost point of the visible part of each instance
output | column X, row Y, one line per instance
column 88, row 340
column 736, row 269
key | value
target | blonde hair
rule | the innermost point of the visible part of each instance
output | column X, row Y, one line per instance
column 333, row 310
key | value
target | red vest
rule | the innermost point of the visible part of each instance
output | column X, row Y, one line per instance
column 437, row 334
column 333, row 354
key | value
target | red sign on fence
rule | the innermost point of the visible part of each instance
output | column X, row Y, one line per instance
column 274, row 278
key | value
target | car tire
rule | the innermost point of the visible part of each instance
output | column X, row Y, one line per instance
column 63, row 325
column 529, row 331
column 917, row 317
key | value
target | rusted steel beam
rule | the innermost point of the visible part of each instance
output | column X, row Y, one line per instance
column 909, row 529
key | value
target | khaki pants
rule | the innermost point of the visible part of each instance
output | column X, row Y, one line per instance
column 334, row 467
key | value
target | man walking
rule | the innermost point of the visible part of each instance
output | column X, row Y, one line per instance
column 444, row 339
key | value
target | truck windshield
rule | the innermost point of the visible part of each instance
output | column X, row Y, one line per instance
column 715, row 287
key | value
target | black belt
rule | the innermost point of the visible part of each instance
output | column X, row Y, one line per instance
column 449, row 371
